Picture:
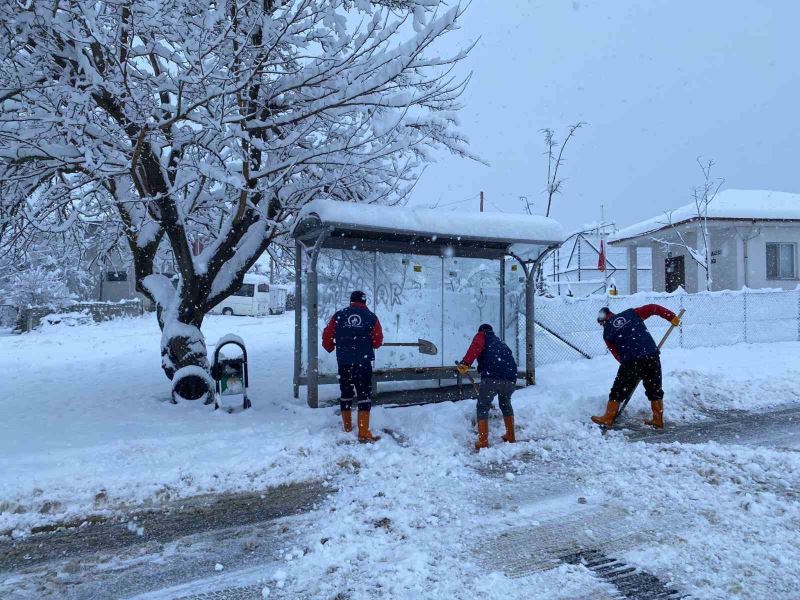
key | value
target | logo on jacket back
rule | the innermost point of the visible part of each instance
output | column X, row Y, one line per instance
column 619, row 322
column 354, row 320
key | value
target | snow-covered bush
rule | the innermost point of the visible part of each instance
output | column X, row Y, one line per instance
column 37, row 286
column 69, row 319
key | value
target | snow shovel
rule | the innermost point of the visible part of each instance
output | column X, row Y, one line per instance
column 660, row 344
column 424, row 346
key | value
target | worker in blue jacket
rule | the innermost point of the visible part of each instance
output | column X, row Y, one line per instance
column 629, row 341
column 355, row 333
column 498, row 371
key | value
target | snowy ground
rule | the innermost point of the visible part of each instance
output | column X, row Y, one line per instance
column 86, row 430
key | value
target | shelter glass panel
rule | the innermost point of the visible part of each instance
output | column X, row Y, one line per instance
column 404, row 291
column 471, row 297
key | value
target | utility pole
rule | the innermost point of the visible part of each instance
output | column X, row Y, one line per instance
column 481, row 200
column 601, row 233
column 271, row 269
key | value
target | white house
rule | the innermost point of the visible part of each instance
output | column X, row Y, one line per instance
column 753, row 241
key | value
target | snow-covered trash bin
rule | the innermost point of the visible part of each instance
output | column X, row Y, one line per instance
column 230, row 373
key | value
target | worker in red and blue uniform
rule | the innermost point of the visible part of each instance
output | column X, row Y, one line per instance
column 498, row 371
column 629, row 341
column 355, row 332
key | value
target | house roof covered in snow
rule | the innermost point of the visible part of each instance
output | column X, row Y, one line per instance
column 422, row 231
column 747, row 205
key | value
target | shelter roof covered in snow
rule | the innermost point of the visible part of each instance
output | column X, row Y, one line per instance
column 422, row 231
column 759, row 205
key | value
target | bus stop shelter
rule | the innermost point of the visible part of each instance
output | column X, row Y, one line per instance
column 428, row 273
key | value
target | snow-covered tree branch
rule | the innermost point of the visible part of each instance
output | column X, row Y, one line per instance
column 181, row 120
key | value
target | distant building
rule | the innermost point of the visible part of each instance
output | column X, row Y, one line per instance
column 753, row 238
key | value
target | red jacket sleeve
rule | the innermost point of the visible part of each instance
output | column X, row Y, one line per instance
column 377, row 334
column 328, row 335
column 475, row 348
column 613, row 349
column 649, row 310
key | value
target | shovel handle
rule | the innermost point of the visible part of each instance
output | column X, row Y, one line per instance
column 671, row 327
column 401, row 343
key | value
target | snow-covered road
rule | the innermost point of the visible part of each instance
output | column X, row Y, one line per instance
column 535, row 521
column 87, row 432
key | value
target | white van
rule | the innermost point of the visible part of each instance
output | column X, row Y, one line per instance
column 255, row 298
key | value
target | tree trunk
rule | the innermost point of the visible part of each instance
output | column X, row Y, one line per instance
column 183, row 348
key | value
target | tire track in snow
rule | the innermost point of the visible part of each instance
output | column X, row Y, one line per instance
column 113, row 559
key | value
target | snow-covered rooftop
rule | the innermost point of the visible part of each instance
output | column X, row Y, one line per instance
column 424, row 222
column 760, row 205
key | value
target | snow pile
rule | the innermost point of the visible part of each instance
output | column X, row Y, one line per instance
column 740, row 512
column 70, row 319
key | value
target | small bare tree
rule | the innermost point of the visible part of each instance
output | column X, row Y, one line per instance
column 702, row 195
column 555, row 158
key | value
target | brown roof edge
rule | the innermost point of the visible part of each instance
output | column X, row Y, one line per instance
column 692, row 219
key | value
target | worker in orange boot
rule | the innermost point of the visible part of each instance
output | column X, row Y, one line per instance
column 639, row 359
column 498, row 371
column 355, row 332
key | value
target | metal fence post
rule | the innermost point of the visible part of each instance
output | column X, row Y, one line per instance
column 680, row 329
column 744, row 320
column 797, row 292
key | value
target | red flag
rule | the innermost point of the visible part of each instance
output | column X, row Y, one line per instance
column 601, row 261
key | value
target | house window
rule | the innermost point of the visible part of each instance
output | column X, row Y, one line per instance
column 263, row 287
column 780, row 261
column 246, row 290
column 116, row 276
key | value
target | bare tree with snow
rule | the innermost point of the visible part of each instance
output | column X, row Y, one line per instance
column 702, row 195
column 555, row 159
column 183, row 120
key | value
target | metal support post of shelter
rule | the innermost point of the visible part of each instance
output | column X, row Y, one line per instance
column 298, row 317
column 503, row 299
column 530, row 268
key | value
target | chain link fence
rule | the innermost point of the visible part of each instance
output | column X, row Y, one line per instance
column 567, row 329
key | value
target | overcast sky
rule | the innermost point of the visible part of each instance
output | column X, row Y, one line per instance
column 660, row 82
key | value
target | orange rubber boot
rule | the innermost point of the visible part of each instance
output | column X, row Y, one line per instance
column 483, row 434
column 658, row 414
column 347, row 420
column 607, row 420
column 364, row 434
column 509, row 436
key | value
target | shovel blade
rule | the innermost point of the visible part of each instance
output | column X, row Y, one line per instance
column 427, row 347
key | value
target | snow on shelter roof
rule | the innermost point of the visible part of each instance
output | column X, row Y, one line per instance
column 422, row 230
column 759, row 205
